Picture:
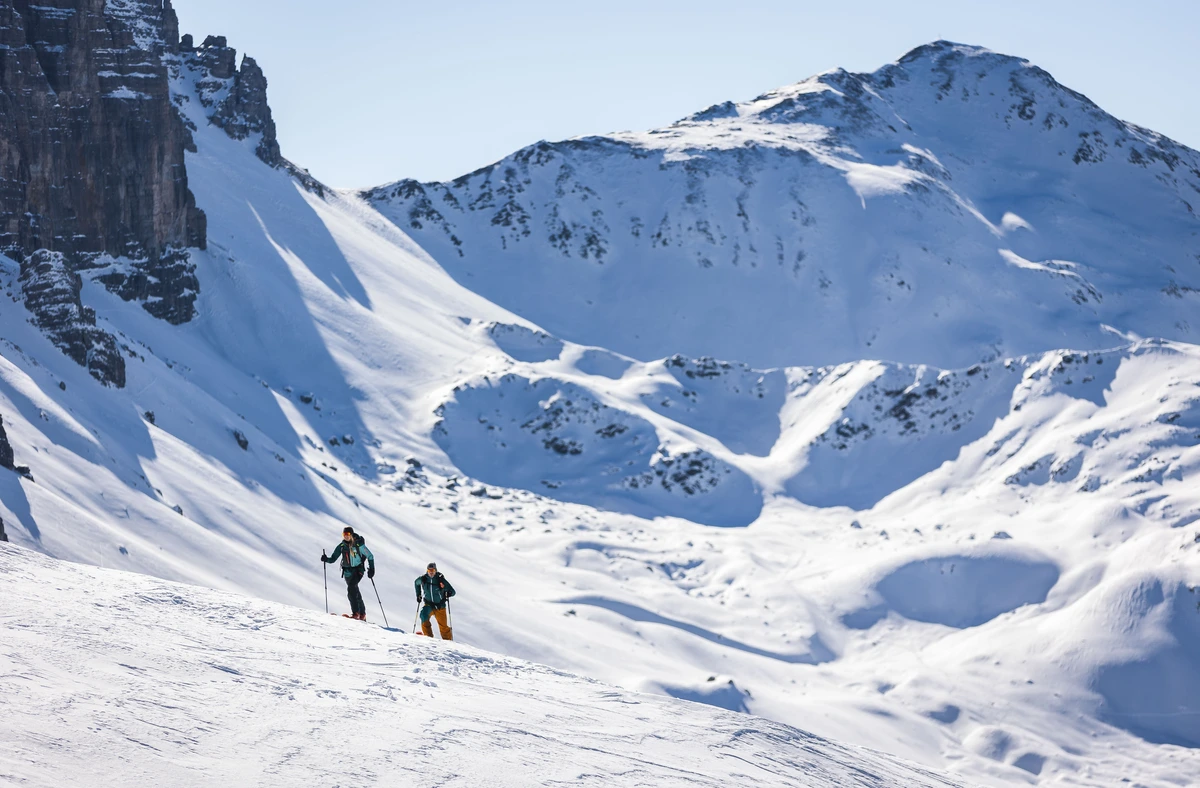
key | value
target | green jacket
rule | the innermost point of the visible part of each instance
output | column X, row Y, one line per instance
column 436, row 589
column 353, row 556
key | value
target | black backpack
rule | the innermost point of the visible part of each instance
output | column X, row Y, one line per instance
column 358, row 542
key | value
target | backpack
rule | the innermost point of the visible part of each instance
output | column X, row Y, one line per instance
column 436, row 586
column 358, row 542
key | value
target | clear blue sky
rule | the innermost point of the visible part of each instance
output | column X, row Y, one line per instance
column 369, row 91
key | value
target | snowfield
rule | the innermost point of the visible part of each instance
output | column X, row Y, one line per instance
column 910, row 492
column 113, row 679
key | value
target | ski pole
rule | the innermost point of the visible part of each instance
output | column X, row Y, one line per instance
column 381, row 610
column 325, row 571
column 416, row 616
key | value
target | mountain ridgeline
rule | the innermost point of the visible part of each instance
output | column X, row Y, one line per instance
column 953, row 207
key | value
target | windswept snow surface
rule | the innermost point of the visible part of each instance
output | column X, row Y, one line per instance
column 977, row 562
column 113, row 679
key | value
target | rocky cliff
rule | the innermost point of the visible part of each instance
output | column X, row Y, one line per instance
column 92, row 164
column 91, row 148
column 92, row 170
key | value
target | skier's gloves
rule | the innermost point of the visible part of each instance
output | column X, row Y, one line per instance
column 371, row 572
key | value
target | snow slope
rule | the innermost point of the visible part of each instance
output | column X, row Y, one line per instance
column 133, row 681
column 983, row 566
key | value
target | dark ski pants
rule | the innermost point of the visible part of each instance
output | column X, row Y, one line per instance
column 353, row 578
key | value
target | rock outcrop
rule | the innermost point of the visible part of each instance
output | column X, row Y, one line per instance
column 51, row 292
column 166, row 285
column 92, row 158
column 6, row 455
column 236, row 98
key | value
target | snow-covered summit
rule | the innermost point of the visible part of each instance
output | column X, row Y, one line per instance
column 911, row 95
column 954, row 206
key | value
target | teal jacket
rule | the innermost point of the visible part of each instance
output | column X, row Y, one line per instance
column 353, row 556
column 436, row 589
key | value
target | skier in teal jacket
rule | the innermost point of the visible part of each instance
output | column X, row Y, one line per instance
column 354, row 554
column 436, row 590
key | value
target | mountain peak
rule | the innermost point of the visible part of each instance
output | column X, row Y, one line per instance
column 939, row 85
column 940, row 48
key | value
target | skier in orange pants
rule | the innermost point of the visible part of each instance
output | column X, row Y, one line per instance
column 436, row 590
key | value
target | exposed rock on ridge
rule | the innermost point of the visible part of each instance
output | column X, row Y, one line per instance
column 237, row 97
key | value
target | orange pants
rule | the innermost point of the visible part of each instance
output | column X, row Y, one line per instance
column 443, row 628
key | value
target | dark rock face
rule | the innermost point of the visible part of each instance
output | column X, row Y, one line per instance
column 243, row 110
column 166, row 286
column 92, row 165
column 6, row 453
column 91, row 147
column 218, row 57
column 51, row 291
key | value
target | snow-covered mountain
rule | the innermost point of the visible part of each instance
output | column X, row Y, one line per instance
column 976, row 553
column 953, row 207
